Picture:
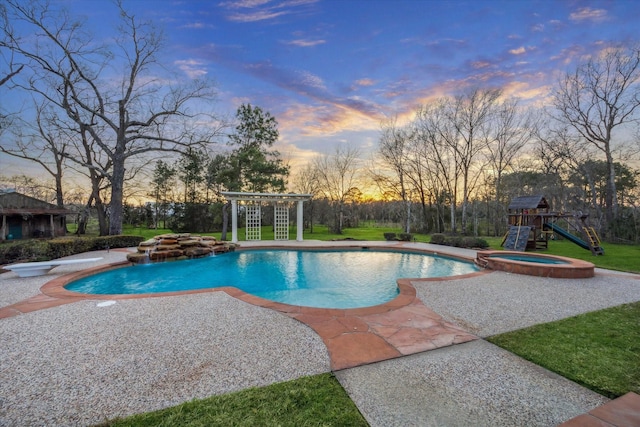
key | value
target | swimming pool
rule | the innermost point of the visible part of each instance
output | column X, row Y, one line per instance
column 312, row 278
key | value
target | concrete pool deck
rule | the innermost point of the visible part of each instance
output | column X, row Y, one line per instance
column 92, row 359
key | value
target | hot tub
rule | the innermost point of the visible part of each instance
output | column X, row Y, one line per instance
column 533, row 264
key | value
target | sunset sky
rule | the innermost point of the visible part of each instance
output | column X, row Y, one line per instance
column 331, row 70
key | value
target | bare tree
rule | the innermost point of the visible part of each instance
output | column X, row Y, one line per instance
column 306, row 182
column 471, row 115
column 38, row 142
column 338, row 180
column 602, row 95
column 141, row 114
column 394, row 147
column 560, row 153
column 512, row 129
column 437, row 159
column 6, row 54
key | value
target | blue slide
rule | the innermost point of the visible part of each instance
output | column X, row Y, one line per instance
column 564, row 233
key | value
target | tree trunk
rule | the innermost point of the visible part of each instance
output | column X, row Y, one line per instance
column 407, row 224
column 454, row 226
column 611, row 199
column 117, row 191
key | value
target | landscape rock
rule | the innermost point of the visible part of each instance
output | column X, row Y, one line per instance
column 171, row 247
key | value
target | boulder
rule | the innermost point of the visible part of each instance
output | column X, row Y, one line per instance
column 168, row 242
column 195, row 252
column 150, row 242
column 137, row 258
column 167, row 247
column 164, row 255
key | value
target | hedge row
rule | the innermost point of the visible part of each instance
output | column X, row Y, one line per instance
column 44, row 250
column 403, row 237
column 459, row 241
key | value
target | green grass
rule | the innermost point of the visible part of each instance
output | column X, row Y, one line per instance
column 616, row 256
column 600, row 350
column 309, row 401
column 320, row 232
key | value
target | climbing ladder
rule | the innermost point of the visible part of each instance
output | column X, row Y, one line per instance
column 517, row 237
column 593, row 240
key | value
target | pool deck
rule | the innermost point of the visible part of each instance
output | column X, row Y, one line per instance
column 417, row 360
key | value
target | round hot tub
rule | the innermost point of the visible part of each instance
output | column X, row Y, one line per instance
column 533, row 264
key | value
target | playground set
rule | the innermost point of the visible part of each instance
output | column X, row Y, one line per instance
column 532, row 224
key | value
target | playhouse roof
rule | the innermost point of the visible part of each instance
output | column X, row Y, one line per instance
column 13, row 203
column 529, row 202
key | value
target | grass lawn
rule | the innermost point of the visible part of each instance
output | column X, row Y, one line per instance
column 600, row 350
column 616, row 256
column 309, row 401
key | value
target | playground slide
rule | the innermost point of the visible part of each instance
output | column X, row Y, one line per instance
column 564, row 233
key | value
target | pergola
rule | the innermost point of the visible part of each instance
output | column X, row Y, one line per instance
column 253, row 214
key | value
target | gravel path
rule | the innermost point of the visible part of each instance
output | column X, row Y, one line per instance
column 500, row 302
column 470, row 384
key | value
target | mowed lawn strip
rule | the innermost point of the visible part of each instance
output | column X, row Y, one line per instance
column 317, row 400
column 600, row 350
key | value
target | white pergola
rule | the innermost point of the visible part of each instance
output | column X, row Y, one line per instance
column 253, row 214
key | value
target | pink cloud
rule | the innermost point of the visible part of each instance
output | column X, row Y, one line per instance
column 588, row 14
column 306, row 43
column 365, row 82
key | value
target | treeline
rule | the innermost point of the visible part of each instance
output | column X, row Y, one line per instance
column 458, row 163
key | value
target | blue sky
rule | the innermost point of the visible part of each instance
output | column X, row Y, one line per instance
column 331, row 70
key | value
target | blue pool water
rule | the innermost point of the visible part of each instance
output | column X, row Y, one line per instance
column 326, row 279
column 526, row 258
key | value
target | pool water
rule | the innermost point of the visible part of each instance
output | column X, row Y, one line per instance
column 526, row 258
column 325, row 279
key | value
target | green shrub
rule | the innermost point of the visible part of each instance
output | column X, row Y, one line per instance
column 405, row 237
column 68, row 246
column 120, row 241
column 459, row 241
column 473, row 242
column 455, row 241
column 389, row 236
column 27, row 250
column 44, row 250
column 438, row 239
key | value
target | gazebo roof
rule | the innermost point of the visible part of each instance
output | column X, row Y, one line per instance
column 269, row 197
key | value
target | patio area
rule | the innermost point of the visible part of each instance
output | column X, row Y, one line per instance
column 79, row 361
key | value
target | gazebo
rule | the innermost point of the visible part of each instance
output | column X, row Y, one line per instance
column 254, row 202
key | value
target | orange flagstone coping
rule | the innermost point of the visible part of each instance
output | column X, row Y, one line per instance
column 569, row 269
column 353, row 337
column 621, row 412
